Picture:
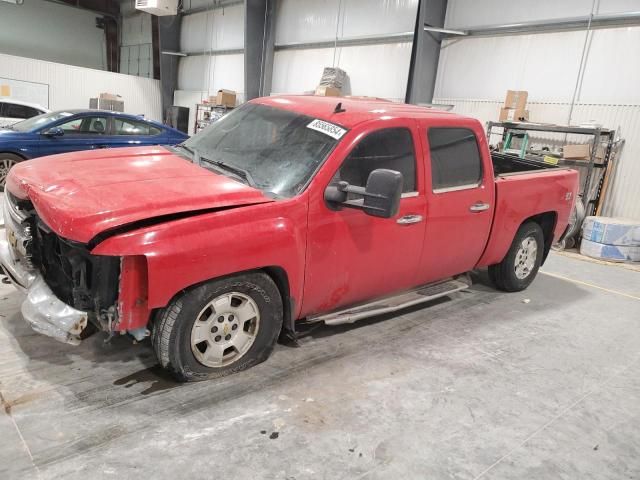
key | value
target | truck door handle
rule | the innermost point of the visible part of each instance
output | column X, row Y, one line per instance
column 479, row 207
column 409, row 219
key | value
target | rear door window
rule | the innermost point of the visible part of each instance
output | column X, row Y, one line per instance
column 455, row 159
column 132, row 127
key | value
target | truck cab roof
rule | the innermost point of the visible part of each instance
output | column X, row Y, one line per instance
column 355, row 109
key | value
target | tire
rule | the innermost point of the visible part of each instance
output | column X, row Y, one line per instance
column 520, row 266
column 7, row 160
column 196, row 340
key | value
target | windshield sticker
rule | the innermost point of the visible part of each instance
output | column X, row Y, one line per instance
column 327, row 128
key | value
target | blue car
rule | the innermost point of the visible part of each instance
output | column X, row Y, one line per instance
column 72, row 130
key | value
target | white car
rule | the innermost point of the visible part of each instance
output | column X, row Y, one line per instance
column 14, row 111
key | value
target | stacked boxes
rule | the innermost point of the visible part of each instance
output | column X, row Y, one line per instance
column 224, row 98
column 331, row 83
column 515, row 107
column 614, row 239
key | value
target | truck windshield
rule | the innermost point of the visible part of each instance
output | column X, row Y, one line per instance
column 275, row 147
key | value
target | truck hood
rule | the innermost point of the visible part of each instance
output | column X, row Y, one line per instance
column 82, row 194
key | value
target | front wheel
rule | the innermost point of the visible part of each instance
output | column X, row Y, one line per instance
column 520, row 266
column 7, row 160
column 219, row 328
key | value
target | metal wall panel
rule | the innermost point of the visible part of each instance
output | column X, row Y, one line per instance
column 218, row 29
column 56, row 33
column 486, row 67
column 71, row 87
column 623, row 199
column 300, row 21
column 299, row 71
column 378, row 70
column 363, row 17
column 211, row 73
column 303, row 21
column 472, row 13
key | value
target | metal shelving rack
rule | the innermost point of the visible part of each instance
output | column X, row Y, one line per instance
column 207, row 113
column 600, row 136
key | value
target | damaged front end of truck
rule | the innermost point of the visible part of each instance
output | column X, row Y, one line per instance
column 68, row 288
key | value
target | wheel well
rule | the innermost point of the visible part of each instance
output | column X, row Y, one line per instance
column 16, row 154
column 547, row 222
column 279, row 276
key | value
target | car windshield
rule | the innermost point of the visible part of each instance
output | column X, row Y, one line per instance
column 39, row 121
column 275, row 150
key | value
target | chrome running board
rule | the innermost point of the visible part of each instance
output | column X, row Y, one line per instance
column 396, row 302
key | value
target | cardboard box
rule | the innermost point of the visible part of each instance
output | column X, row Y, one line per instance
column 226, row 98
column 110, row 96
column 516, row 99
column 513, row 115
column 582, row 152
column 325, row 91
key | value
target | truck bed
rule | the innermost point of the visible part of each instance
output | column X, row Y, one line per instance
column 524, row 189
column 505, row 164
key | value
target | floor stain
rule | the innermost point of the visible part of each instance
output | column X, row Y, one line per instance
column 158, row 378
column 274, row 435
column 26, row 398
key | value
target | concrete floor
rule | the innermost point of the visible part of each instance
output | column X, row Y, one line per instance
column 539, row 384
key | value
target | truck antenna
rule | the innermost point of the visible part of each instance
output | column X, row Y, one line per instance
column 339, row 108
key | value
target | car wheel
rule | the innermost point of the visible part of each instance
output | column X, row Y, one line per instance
column 520, row 266
column 219, row 328
column 7, row 160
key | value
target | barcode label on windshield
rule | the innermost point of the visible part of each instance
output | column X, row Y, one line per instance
column 327, row 128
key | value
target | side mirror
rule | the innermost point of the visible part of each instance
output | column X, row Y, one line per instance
column 53, row 132
column 381, row 196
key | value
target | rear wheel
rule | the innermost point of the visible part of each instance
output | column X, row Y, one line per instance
column 520, row 266
column 7, row 160
column 219, row 328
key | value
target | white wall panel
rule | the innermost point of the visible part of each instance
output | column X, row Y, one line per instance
column 217, row 29
column 47, row 31
column 299, row 71
column 485, row 67
column 312, row 20
column 71, row 87
column 211, row 73
column 377, row 70
column 306, row 20
column 393, row 16
column 469, row 13
column 612, row 72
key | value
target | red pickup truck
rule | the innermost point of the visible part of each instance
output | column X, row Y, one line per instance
column 288, row 208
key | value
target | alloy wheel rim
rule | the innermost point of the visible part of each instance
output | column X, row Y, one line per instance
column 5, row 166
column 526, row 257
column 225, row 329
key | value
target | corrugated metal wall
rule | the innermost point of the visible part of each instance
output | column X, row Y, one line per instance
column 378, row 70
column 623, row 199
column 71, row 87
column 219, row 29
column 475, row 72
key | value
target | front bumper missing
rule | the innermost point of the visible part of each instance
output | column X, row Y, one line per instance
column 45, row 312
